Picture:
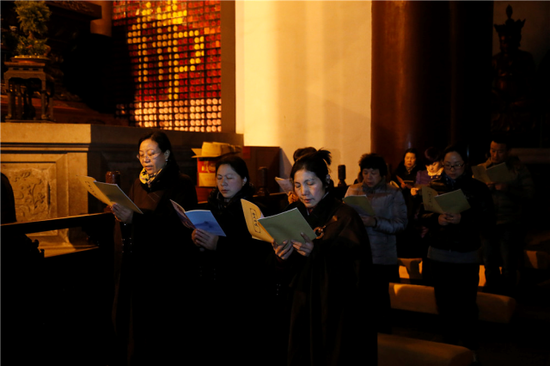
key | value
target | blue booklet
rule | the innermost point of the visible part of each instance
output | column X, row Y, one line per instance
column 198, row 219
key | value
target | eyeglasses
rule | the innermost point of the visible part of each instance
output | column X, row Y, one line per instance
column 453, row 166
column 149, row 155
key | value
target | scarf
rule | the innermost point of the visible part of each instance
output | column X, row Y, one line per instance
column 146, row 178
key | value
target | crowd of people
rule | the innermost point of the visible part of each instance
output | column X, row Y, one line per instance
column 306, row 300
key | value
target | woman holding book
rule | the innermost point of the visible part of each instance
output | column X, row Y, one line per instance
column 454, row 239
column 390, row 218
column 405, row 173
column 415, row 246
column 152, row 253
column 329, row 276
column 233, row 271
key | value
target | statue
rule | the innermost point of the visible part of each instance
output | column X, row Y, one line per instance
column 513, row 103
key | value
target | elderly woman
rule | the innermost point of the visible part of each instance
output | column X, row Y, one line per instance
column 150, row 258
column 329, row 275
column 390, row 218
column 405, row 174
column 454, row 240
column 233, row 272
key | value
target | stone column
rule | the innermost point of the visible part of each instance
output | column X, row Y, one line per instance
column 431, row 75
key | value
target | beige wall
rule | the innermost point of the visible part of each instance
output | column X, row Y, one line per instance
column 303, row 71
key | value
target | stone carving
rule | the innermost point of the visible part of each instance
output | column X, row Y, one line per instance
column 31, row 193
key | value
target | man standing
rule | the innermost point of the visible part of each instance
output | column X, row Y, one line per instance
column 504, row 247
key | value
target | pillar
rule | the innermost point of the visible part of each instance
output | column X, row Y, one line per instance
column 431, row 78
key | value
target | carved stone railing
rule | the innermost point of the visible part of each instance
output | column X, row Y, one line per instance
column 96, row 230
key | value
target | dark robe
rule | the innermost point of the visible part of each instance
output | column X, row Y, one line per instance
column 331, row 291
column 154, row 258
column 235, row 284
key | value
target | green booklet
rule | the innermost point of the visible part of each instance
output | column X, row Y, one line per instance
column 284, row 226
column 108, row 193
column 361, row 204
column 497, row 173
column 451, row 202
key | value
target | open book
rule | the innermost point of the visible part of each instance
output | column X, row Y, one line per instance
column 198, row 219
column 284, row 184
column 361, row 204
column 497, row 173
column 284, row 226
column 108, row 193
column 450, row 202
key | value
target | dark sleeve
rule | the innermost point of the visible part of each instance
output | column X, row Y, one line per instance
column 524, row 187
column 481, row 216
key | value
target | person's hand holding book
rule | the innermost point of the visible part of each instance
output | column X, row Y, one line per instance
column 283, row 250
column 303, row 248
column 204, row 239
column 122, row 214
column 449, row 218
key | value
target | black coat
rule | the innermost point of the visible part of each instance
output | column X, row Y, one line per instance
column 330, row 291
column 234, row 287
column 154, row 256
column 474, row 222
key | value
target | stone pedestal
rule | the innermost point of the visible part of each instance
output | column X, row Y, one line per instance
column 43, row 160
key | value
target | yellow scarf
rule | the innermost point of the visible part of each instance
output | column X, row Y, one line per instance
column 145, row 178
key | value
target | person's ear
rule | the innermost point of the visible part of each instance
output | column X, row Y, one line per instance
column 244, row 181
column 328, row 179
column 166, row 155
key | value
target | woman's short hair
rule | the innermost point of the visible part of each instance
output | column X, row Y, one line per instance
column 457, row 148
column 373, row 161
column 411, row 150
column 237, row 163
column 162, row 140
column 318, row 162
column 432, row 155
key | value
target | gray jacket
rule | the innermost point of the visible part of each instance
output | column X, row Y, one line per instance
column 391, row 216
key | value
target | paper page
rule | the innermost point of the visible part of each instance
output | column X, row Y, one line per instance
column 199, row 219
column 480, row 173
column 288, row 225
column 499, row 173
column 453, row 202
column 91, row 187
column 428, row 199
column 361, row 204
column 108, row 193
column 285, row 184
column 251, row 214
column 181, row 214
column 117, row 195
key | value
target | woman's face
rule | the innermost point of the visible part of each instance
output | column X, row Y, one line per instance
column 309, row 188
column 410, row 160
column 151, row 157
column 229, row 181
column 453, row 164
column 371, row 177
column 433, row 168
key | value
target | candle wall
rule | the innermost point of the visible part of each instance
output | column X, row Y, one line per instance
column 173, row 49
